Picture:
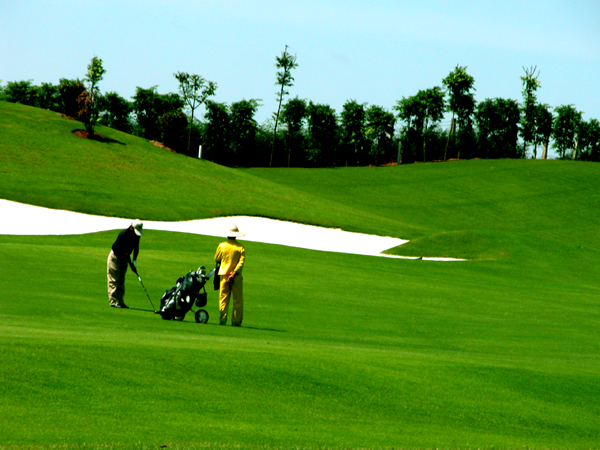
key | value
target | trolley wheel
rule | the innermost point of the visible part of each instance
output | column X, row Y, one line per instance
column 201, row 316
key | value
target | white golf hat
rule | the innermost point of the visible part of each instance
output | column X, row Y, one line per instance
column 137, row 226
column 234, row 232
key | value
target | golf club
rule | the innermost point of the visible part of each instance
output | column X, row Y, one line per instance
column 147, row 295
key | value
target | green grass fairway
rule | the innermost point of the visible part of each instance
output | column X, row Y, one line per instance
column 337, row 351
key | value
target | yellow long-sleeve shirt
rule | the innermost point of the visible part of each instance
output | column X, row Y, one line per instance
column 231, row 256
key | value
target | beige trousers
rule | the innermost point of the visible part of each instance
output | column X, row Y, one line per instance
column 116, row 271
column 225, row 294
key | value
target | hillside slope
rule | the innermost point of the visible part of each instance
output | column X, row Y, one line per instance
column 558, row 200
column 42, row 162
column 484, row 209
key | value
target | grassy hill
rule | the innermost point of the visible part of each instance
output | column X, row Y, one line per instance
column 43, row 163
column 337, row 351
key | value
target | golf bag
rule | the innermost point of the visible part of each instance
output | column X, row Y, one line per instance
column 179, row 300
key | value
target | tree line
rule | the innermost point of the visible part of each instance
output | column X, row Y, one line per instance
column 307, row 134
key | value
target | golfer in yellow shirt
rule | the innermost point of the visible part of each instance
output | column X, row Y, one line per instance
column 230, row 255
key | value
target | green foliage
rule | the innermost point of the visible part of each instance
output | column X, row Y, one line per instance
column 294, row 114
column 498, row 125
column 589, row 141
column 216, row 133
column 543, row 120
column 45, row 96
column 323, row 135
column 566, row 125
column 69, row 91
column 421, row 113
column 20, row 92
column 172, row 127
column 230, row 134
column 380, row 132
column 149, row 106
column 529, row 108
column 194, row 91
column 88, row 101
column 459, row 85
column 285, row 63
column 354, row 142
column 354, row 145
column 243, row 131
column 115, row 112
column 48, row 97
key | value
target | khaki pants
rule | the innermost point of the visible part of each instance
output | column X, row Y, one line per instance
column 238, row 300
column 116, row 271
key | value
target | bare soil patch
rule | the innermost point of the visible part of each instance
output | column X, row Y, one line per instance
column 95, row 136
column 163, row 146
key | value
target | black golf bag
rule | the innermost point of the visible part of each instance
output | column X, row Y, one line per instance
column 179, row 300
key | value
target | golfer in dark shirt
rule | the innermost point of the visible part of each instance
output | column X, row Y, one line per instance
column 120, row 256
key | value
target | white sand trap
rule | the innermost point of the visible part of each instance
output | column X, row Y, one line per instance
column 22, row 219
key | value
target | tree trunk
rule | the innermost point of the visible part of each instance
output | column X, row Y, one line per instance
column 450, row 133
column 190, row 133
column 424, row 136
column 288, row 147
column 276, row 122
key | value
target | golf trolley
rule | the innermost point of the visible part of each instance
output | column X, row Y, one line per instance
column 179, row 300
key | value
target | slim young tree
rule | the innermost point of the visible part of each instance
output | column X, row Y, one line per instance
column 461, row 100
column 528, row 110
column 286, row 63
column 432, row 105
column 194, row 91
column 89, row 99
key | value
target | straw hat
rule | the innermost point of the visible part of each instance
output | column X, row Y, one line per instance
column 137, row 226
column 234, row 232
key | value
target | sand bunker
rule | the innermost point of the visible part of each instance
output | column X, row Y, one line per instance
column 22, row 219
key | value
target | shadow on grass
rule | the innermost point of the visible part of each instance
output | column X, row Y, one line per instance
column 96, row 137
column 210, row 324
column 244, row 326
column 141, row 309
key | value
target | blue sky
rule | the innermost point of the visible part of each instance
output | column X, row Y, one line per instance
column 372, row 51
